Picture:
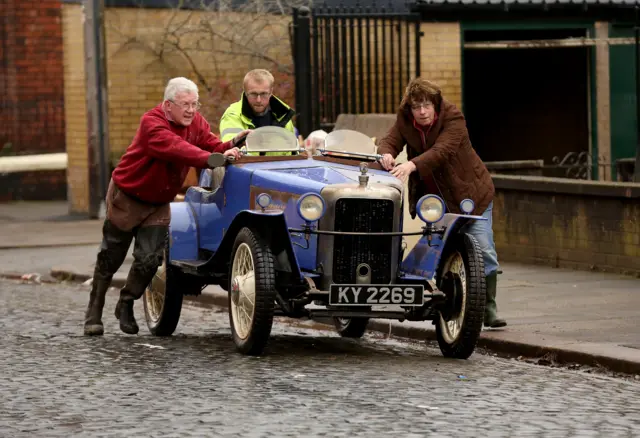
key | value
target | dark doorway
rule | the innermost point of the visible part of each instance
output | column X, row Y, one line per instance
column 526, row 103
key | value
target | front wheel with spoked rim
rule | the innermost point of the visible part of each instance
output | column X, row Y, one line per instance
column 459, row 322
column 252, row 292
column 163, row 299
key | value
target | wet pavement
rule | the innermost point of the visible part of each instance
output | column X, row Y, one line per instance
column 56, row 382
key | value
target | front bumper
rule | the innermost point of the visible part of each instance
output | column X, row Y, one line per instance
column 320, row 308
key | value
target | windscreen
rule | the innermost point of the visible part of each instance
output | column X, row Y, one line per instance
column 346, row 141
column 269, row 139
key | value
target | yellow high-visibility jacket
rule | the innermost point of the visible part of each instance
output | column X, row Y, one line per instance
column 239, row 117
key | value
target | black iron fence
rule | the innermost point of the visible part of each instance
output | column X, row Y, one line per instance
column 582, row 165
column 351, row 60
column 573, row 165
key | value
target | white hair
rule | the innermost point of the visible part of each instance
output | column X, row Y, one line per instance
column 179, row 85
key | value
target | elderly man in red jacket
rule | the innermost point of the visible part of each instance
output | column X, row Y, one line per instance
column 171, row 137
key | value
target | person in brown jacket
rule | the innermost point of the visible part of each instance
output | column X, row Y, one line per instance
column 442, row 161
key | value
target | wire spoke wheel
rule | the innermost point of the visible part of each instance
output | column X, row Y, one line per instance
column 452, row 328
column 243, row 290
column 461, row 278
column 162, row 299
column 252, row 292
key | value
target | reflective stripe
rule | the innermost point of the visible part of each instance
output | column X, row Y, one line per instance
column 231, row 131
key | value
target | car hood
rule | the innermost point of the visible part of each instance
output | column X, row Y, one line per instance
column 316, row 176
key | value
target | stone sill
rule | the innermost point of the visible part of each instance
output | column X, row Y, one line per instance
column 626, row 190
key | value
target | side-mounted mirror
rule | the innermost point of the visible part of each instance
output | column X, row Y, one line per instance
column 216, row 160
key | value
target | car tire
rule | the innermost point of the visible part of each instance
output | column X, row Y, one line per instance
column 163, row 299
column 251, row 272
column 351, row 327
column 459, row 322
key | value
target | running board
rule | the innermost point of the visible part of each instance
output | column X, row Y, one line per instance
column 188, row 265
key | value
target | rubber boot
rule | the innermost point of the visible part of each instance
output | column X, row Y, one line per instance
column 93, row 316
column 491, row 309
column 111, row 255
column 147, row 255
column 124, row 313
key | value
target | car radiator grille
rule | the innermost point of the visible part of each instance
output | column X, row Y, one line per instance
column 362, row 215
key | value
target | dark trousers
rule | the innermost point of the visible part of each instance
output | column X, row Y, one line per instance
column 127, row 219
column 147, row 256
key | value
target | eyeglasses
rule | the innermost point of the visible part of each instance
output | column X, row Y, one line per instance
column 187, row 106
column 425, row 105
column 254, row 95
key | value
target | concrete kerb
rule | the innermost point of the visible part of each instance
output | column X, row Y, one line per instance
column 582, row 354
column 86, row 242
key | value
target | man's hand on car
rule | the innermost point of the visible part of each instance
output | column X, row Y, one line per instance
column 238, row 139
column 233, row 152
column 388, row 162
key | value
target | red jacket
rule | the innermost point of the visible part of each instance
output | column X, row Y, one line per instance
column 156, row 163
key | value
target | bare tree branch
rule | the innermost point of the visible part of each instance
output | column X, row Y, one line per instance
column 201, row 43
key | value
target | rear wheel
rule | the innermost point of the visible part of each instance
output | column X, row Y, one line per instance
column 462, row 279
column 351, row 327
column 252, row 292
column 163, row 299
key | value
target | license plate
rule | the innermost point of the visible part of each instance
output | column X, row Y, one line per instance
column 374, row 294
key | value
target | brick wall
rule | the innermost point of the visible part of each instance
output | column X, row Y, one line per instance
column 441, row 60
column 31, row 88
column 568, row 223
column 139, row 64
column 33, row 186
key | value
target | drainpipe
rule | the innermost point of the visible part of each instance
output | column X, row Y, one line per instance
column 96, row 97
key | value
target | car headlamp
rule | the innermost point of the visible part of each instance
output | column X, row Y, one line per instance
column 311, row 207
column 430, row 208
column 467, row 206
column 263, row 200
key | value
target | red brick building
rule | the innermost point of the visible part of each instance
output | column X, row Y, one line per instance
column 31, row 94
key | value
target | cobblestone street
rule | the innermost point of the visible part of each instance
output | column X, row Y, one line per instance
column 56, row 382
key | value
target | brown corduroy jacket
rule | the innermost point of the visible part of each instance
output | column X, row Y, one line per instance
column 445, row 156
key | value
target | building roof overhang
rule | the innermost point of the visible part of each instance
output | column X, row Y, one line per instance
column 460, row 10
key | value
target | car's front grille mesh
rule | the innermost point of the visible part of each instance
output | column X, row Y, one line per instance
column 363, row 215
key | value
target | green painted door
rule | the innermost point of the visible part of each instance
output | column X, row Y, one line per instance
column 624, row 120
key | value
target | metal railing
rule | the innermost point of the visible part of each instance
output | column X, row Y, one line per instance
column 352, row 60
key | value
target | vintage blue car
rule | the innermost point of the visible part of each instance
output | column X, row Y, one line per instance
column 320, row 234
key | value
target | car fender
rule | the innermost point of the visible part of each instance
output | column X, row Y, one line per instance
column 183, row 232
column 424, row 258
column 271, row 225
